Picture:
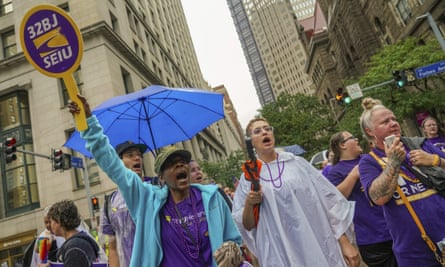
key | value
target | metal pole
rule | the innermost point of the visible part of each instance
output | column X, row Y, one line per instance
column 33, row 153
column 434, row 28
column 86, row 182
column 377, row 85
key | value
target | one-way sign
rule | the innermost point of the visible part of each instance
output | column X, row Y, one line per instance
column 431, row 69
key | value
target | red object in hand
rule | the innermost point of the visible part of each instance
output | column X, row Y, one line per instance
column 252, row 171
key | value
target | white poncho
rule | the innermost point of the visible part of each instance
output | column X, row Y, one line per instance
column 301, row 216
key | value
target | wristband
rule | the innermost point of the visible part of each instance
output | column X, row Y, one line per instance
column 436, row 160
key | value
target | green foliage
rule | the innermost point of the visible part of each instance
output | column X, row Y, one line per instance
column 222, row 172
column 404, row 102
column 300, row 119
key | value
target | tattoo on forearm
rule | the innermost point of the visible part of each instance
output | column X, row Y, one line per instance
column 385, row 185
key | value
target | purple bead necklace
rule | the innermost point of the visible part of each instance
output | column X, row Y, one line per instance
column 183, row 226
column 278, row 179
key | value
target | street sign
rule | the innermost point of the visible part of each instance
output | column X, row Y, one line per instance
column 76, row 162
column 354, row 91
column 431, row 69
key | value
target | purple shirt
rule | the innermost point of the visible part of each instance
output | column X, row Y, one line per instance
column 326, row 170
column 369, row 223
column 408, row 246
column 184, row 232
column 438, row 142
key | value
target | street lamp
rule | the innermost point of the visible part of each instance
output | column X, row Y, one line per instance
column 434, row 28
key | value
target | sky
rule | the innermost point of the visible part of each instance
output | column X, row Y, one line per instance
column 220, row 55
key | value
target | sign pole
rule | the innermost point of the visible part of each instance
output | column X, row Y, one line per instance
column 86, row 182
column 80, row 118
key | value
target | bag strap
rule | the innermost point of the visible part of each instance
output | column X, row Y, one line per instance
column 440, row 258
column 107, row 204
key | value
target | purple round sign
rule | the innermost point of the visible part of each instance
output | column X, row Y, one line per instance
column 51, row 40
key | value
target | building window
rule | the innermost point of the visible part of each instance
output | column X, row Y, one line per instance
column 8, row 43
column 114, row 23
column 126, row 78
column 404, row 11
column 64, row 91
column 19, row 177
column 5, row 7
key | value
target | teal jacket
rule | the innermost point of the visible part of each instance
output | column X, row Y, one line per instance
column 145, row 201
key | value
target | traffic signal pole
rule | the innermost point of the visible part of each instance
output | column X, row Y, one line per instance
column 86, row 183
column 377, row 85
column 333, row 100
column 33, row 153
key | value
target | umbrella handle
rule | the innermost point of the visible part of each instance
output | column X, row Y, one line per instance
column 79, row 118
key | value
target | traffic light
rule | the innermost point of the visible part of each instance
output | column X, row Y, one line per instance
column 58, row 159
column 10, row 149
column 347, row 99
column 95, row 203
column 342, row 97
column 339, row 96
column 399, row 78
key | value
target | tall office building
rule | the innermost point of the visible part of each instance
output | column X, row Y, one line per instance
column 128, row 45
column 303, row 8
column 269, row 33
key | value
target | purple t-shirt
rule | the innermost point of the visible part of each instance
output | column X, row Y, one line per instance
column 326, row 170
column 408, row 246
column 369, row 223
column 438, row 142
column 184, row 231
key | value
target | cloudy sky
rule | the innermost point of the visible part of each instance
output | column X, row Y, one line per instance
column 220, row 54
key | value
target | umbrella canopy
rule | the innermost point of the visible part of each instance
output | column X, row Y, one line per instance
column 294, row 149
column 155, row 116
column 319, row 157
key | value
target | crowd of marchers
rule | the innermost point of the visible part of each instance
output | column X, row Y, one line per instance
column 381, row 208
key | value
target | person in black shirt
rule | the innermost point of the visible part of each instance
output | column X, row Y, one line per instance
column 79, row 249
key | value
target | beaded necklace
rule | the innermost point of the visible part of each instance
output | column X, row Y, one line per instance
column 277, row 179
column 193, row 252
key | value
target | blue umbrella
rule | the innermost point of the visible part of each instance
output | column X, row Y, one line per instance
column 295, row 149
column 155, row 116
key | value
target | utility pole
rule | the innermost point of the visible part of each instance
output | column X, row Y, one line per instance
column 434, row 28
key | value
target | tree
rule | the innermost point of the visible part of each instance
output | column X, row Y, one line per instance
column 422, row 95
column 300, row 119
column 223, row 171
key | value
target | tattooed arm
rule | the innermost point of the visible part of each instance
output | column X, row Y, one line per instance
column 383, row 187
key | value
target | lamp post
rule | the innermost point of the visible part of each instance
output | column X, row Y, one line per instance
column 434, row 28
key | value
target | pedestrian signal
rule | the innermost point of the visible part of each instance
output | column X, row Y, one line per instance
column 95, row 203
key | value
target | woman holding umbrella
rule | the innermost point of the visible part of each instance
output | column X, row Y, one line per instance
column 177, row 224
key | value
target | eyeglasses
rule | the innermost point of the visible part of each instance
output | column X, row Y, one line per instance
column 349, row 138
column 431, row 125
column 259, row 130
